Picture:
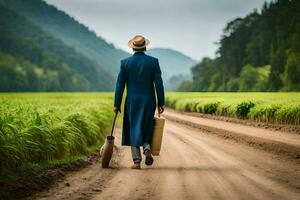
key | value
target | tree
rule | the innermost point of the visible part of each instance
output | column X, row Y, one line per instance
column 185, row 86
column 202, row 74
column 291, row 75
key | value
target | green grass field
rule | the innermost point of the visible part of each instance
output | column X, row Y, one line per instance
column 41, row 129
column 267, row 107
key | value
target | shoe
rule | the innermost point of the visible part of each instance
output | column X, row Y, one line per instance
column 136, row 166
column 149, row 158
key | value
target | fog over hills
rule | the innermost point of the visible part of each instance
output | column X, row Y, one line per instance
column 175, row 66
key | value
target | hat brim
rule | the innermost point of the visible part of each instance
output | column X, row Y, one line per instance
column 131, row 45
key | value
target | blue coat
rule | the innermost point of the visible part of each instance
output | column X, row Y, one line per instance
column 141, row 74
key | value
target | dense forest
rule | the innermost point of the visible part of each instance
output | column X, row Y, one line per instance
column 34, row 58
column 260, row 52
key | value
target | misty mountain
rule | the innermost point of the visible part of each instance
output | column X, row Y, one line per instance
column 175, row 66
column 33, row 60
column 70, row 31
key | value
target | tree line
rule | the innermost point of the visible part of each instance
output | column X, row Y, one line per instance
column 260, row 52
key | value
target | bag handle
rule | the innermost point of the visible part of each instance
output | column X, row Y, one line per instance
column 113, row 126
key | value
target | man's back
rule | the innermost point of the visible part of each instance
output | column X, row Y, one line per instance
column 139, row 71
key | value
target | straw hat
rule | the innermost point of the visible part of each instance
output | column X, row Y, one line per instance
column 138, row 42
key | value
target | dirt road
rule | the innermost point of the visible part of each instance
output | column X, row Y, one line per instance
column 192, row 165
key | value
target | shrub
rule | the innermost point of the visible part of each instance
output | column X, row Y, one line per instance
column 211, row 108
column 264, row 112
column 243, row 109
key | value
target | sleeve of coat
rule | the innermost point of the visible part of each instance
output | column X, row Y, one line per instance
column 159, row 87
column 120, row 85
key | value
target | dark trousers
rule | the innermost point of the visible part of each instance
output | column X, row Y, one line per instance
column 136, row 152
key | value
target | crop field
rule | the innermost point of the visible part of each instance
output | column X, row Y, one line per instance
column 37, row 129
column 42, row 129
column 266, row 107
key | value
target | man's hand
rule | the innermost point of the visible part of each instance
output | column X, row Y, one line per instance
column 116, row 110
column 160, row 110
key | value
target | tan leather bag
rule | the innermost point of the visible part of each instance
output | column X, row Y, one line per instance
column 158, row 130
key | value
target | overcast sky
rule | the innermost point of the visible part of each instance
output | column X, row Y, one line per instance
column 189, row 26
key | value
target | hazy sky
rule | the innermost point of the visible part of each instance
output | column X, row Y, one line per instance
column 189, row 26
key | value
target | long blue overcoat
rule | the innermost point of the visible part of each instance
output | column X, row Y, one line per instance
column 140, row 74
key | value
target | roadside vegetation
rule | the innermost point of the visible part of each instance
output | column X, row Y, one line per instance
column 264, row 107
column 43, row 129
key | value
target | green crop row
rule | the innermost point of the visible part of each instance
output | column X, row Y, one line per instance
column 36, row 129
column 265, row 107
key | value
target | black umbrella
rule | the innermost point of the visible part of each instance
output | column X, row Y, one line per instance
column 108, row 147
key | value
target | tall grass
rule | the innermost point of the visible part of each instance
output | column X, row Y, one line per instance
column 266, row 107
column 39, row 128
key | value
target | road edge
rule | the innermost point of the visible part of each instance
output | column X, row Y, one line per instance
column 279, row 148
column 44, row 179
